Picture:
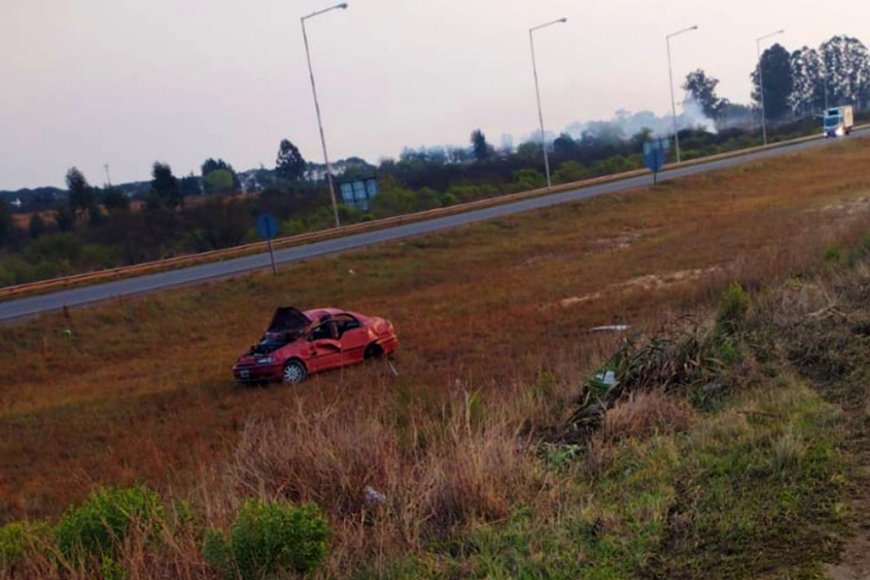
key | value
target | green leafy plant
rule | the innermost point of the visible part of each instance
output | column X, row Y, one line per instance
column 733, row 307
column 269, row 539
column 833, row 253
column 96, row 527
column 18, row 540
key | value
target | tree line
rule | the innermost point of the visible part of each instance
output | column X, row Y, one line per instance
column 799, row 83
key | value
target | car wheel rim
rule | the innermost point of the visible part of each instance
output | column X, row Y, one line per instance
column 292, row 374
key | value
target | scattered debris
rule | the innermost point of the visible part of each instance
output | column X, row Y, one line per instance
column 372, row 497
column 608, row 378
column 612, row 328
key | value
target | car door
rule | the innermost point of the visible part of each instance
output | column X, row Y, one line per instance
column 353, row 338
column 323, row 350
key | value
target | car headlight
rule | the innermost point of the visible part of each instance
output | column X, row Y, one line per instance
column 840, row 131
column 265, row 360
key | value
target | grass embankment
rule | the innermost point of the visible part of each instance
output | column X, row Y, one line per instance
column 494, row 321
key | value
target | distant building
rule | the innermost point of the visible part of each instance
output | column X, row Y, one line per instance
column 359, row 193
column 17, row 203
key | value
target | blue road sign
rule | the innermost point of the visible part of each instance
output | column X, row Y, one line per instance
column 655, row 153
column 267, row 226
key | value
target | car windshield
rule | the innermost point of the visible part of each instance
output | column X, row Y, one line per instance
column 832, row 121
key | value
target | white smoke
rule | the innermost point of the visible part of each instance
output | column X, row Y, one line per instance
column 693, row 117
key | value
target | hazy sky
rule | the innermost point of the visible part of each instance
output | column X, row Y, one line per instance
column 127, row 82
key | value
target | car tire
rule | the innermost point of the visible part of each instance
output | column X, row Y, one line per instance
column 374, row 350
column 294, row 372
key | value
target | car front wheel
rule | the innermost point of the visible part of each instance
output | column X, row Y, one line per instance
column 294, row 372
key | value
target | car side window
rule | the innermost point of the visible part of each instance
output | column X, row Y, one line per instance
column 326, row 330
column 346, row 322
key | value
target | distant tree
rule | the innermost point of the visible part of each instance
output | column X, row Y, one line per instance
column 115, row 200
column 96, row 217
column 847, row 63
column 458, row 155
column 290, row 164
column 164, row 186
column 565, row 147
column 81, row 195
column 210, row 166
column 808, row 82
column 221, row 223
column 191, row 186
column 778, row 82
column 37, row 225
column 529, row 150
column 481, row 149
column 6, row 224
column 218, row 181
column 65, row 219
column 702, row 88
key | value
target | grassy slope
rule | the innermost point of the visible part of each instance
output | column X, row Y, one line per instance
column 140, row 391
column 736, row 495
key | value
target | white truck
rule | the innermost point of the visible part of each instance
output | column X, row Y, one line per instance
column 839, row 121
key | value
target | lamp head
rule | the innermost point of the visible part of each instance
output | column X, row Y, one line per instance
column 343, row 6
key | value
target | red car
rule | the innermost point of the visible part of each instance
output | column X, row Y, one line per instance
column 298, row 344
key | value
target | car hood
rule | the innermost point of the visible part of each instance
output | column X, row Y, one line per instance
column 288, row 320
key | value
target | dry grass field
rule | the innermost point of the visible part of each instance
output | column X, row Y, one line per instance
column 494, row 325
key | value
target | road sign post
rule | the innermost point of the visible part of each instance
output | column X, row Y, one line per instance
column 268, row 229
column 655, row 153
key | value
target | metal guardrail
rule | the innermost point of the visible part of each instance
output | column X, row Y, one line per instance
column 301, row 239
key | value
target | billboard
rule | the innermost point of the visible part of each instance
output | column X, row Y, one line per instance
column 359, row 193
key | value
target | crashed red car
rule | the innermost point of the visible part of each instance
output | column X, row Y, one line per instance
column 298, row 344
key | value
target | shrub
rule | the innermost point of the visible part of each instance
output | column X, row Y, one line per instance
column 18, row 540
column 97, row 526
column 833, row 253
column 674, row 360
column 733, row 307
column 861, row 250
column 269, row 539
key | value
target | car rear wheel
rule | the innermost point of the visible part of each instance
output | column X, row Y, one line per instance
column 294, row 372
column 373, row 350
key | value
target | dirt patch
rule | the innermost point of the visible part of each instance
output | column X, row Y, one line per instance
column 618, row 242
column 851, row 207
column 604, row 244
column 648, row 283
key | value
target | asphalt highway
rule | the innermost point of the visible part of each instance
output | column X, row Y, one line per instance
column 77, row 297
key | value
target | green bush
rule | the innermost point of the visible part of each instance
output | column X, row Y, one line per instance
column 269, row 539
column 733, row 307
column 97, row 526
column 833, row 253
column 18, row 540
column 861, row 250
column 570, row 171
column 528, row 179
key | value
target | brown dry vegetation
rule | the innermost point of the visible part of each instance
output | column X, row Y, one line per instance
column 492, row 349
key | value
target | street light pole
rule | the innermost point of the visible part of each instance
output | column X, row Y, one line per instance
column 538, row 94
column 761, row 81
column 671, row 77
column 317, row 106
